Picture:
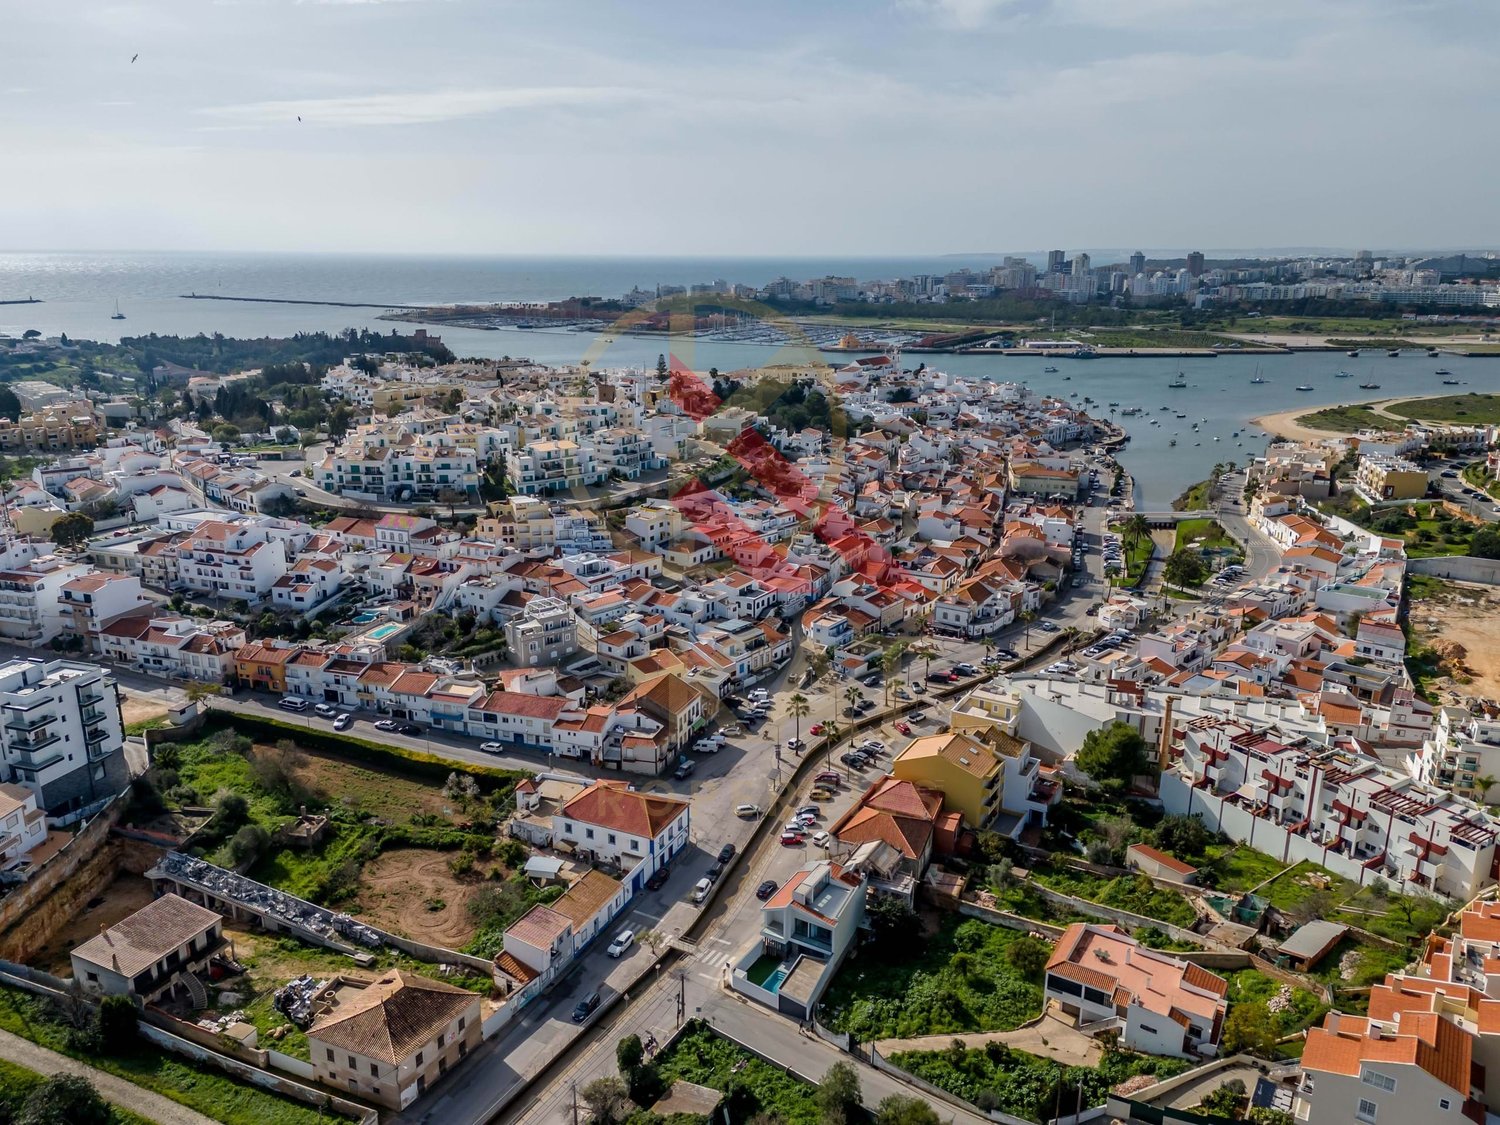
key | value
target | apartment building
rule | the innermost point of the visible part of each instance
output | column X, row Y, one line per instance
column 991, row 778
column 1381, row 477
column 1329, row 804
column 544, row 633
column 392, row 1039
column 240, row 560
column 62, row 737
column 398, row 460
column 553, row 466
column 178, row 647
column 61, row 427
column 89, row 603
column 1159, row 1004
column 23, row 825
column 1462, row 748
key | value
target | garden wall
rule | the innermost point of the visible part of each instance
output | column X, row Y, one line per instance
column 1461, row 568
column 1124, row 918
column 971, row 909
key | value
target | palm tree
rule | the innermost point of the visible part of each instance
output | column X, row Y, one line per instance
column 852, row 695
column 890, row 663
column 1136, row 529
column 798, row 709
column 1027, row 617
column 1482, row 785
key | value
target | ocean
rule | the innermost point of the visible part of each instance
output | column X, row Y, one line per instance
column 79, row 292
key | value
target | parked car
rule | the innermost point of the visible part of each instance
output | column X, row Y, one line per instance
column 389, row 725
column 821, row 839
column 864, row 705
column 726, row 853
column 904, row 727
column 816, row 728
column 819, row 793
column 766, row 889
column 701, row 889
column 409, row 729
column 292, row 703
column 795, row 744
column 658, row 878
column 828, row 777
column 623, row 941
column 327, row 710
column 343, row 722
column 586, row 1007
column 714, row 872
column 684, row 768
column 919, row 716
column 791, row 837
column 760, row 694
column 810, row 810
column 747, row 812
column 856, row 760
column 873, row 744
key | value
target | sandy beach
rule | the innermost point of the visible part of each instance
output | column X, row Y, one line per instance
column 1284, row 424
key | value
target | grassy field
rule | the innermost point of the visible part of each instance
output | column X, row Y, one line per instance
column 16, row 1082
column 1026, row 1085
column 1348, row 420
column 1302, row 1008
column 1211, row 533
column 701, row 1057
column 1152, row 338
column 1466, row 410
column 1424, row 526
column 958, row 979
column 209, row 1092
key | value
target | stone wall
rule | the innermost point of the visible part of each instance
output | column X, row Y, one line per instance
column 1461, row 568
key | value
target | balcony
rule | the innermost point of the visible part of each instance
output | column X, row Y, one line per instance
column 32, row 745
column 95, row 735
column 28, row 723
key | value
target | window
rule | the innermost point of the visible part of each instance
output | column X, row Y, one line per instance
column 1379, row 1081
column 1148, row 1029
column 588, row 833
column 1367, row 1110
column 93, row 977
column 330, row 1054
column 462, row 1021
column 1444, row 1103
column 611, row 837
column 353, row 1063
column 463, row 1049
column 442, row 1040
column 419, row 1058
column 374, row 1071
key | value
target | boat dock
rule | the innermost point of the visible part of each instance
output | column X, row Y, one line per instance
column 22, row 301
column 296, row 301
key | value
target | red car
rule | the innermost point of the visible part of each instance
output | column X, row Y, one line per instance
column 903, row 727
column 790, row 839
column 816, row 728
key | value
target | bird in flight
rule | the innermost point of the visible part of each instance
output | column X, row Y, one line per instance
column 299, row 117
column 135, row 56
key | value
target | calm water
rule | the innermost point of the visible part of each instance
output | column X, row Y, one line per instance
column 79, row 292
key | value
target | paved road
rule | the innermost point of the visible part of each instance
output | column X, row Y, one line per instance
column 152, row 1106
column 1263, row 555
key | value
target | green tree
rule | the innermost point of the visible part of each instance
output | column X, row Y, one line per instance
column 629, row 1053
column 10, row 405
column 1136, row 530
column 72, row 530
column 117, row 1023
column 838, row 1095
column 661, row 367
column 1224, row 1101
column 1485, row 544
column 65, row 1099
column 1026, row 618
column 1028, row 955
column 226, row 433
column 1250, row 1028
column 606, row 1100
column 1115, row 754
column 1185, row 567
column 902, row 1109
column 249, row 844
column 852, row 695
column 1267, row 1115
column 231, row 811
column 1183, row 836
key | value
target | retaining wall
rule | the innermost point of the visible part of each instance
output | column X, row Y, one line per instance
column 971, row 909
column 1460, row 568
column 58, row 888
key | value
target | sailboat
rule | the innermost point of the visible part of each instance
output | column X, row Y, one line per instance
column 118, row 314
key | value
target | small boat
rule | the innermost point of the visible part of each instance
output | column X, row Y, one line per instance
column 1394, row 353
column 1352, row 352
column 118, row 314
column 1369, row 386
column 1432, row 353
column 1172, row 442
column 1114, row 404
column 1216, row 437
column 1304, row 386
column 1343, row 375
column 1442, row 371
column 1196, row 444
column 1257, row 381
column 1049, row 370
column 1450, row 382
column 1178, row 383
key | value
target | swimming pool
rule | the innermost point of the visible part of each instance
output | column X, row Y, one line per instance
column 381, row 632
column 365, row 617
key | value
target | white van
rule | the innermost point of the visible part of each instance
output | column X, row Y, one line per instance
column 701, row 889
column 292, row 703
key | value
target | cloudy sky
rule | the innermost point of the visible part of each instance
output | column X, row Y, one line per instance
column 769, row 127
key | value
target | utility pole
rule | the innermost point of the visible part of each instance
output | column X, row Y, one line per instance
column 575, row 1103
column 681, row 998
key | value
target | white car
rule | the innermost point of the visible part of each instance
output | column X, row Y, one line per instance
column 492, row 747
column 760, row 694
column 747, row 812
column 623, row 941
column 873, row 744
column 820, row 839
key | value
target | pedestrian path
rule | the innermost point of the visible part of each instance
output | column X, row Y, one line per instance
column 117, row 1091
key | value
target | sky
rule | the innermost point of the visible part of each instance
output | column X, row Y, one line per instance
column 849, row 127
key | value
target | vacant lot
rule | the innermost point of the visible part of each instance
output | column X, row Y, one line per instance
column 701, row 1057
column 1464, row 410
column 123, row 897
column 413, row 891
column 1446, row 613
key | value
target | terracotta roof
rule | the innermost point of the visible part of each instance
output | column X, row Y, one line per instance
column 132, row 945
column 394, row 1017
column 586, row 897
column 539, row 927
column 608, row 804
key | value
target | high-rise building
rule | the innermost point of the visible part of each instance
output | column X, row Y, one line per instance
column 1055, row 259
column 1137, row 264
column 1080, row 264
column 63, row 738
column 1195, row 263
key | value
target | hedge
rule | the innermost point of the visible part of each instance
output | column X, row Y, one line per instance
column 396, row 759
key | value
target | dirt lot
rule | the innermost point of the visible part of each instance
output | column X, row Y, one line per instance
column 127, row 894
column 400, row 890
column 1465, row 614
column 392, row 798
column 140, row 708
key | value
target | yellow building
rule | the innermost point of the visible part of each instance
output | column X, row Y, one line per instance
column 1381, row 477
column 394, row 398
column 982, row 711
column 963, row 769
column 68, row 425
